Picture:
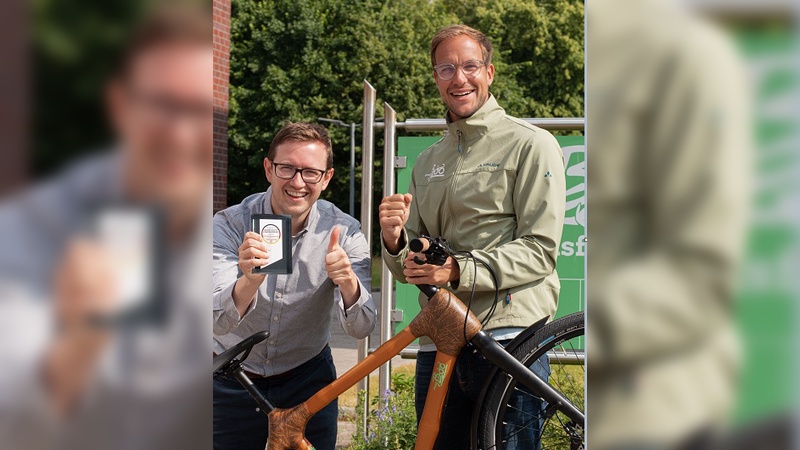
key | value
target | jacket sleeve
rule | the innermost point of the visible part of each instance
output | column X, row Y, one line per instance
column 358, row 320
column 677, row 289
column 539, row 198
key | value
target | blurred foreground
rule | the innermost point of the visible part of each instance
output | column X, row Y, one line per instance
column 104, row 268
column 692, row 168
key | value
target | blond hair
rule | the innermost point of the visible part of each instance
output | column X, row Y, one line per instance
column 462, row 30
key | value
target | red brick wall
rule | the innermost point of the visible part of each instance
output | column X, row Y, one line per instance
column 222, row 43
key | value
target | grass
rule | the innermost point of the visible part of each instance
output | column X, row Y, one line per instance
column 570, row 381
column 376, row 272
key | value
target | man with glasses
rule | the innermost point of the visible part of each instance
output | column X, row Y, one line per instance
column 330, row 269
column 495, row 186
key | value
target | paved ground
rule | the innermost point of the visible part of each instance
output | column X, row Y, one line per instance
column 345, row 356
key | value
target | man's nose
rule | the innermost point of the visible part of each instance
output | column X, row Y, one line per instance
column 297, row 180
column 459, row 77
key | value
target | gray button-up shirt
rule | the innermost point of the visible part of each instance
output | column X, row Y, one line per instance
column 294, row 308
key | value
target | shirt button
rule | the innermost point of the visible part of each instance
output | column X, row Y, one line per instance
column 278, row 295
column 275, row 319
column 267, row 361
column 350, row 325
column 272, row 342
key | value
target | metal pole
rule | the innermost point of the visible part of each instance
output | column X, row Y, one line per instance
column 389, row 132
column 352, row 170
column 367, row 150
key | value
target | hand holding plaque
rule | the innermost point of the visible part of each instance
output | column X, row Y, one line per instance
column 274, row 232
column 253, row 253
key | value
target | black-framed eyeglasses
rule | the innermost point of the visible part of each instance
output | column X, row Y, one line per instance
column 446, row 71
column 288, row 171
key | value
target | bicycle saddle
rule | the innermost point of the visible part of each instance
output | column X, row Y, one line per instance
column 222, row 360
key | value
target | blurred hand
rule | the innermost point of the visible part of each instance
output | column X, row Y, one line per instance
column 430, row 273
column 84, row 290
column 85, row 286
column 392, row 216
column 340, row 271
column 253, row 253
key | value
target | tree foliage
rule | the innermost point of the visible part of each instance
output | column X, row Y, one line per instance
column 303, row 59
column 74, row 47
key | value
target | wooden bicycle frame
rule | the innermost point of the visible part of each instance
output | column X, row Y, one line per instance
column 441, row 319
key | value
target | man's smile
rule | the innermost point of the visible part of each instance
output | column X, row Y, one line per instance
column 295, row 194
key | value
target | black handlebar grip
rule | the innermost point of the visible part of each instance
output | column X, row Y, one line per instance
column 419, row 245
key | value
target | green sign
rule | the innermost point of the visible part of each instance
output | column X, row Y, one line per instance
column 766, row 305
column 573, row 241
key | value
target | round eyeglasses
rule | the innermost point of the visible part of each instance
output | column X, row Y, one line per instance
column 288, row 171
column 446, row 71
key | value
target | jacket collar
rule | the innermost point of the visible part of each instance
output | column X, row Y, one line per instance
column 478, row 124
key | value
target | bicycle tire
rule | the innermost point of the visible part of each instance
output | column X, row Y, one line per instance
column 558, row 432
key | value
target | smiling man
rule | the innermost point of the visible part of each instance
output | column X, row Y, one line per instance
column 495, row 186
column 331, row 269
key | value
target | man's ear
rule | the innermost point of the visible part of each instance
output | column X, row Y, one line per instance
column 327, row 178
column 490, row 73
column 268, row 169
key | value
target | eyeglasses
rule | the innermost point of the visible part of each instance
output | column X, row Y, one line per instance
column 288, row 171
column 447, row 71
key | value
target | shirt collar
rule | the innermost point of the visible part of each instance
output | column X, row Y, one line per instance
column 311, row 219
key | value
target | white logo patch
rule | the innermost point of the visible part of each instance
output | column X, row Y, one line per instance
column 437, row 171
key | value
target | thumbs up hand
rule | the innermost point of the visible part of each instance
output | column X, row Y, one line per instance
column 337, row 264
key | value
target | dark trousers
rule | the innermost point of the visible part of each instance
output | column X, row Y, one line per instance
column 466, row 383
column 237, row 424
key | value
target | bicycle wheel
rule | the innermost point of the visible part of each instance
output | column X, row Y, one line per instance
column 503, row 424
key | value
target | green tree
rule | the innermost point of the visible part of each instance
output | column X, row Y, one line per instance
column 75, row 46
column 303, row 59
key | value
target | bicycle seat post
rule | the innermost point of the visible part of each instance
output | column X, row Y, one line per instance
column 264, row 405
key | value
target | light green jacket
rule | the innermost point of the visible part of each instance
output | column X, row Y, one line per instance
column 493, row 185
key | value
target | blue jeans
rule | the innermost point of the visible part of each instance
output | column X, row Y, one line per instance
column 237, row 424
column 466, row 383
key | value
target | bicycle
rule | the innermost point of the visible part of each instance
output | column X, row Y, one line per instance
column 443, row 319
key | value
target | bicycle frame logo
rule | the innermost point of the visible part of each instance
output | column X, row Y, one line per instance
column 438, row 377
column 437, row 171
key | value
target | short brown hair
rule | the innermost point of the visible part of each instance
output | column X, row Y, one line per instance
column 172, row 23
column 462, row 30
column 302, row 132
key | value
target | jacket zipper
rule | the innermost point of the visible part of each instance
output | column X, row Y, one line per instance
column 455, row 176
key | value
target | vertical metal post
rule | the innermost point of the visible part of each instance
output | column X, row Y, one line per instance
column 367, row 153
column 387, row 282
column 352, row 170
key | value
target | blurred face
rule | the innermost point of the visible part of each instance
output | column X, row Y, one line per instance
column 463, row 94
column 163, row 113
column 296, row 196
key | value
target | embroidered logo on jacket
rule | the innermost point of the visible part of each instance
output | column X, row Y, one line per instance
column 436, row 171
